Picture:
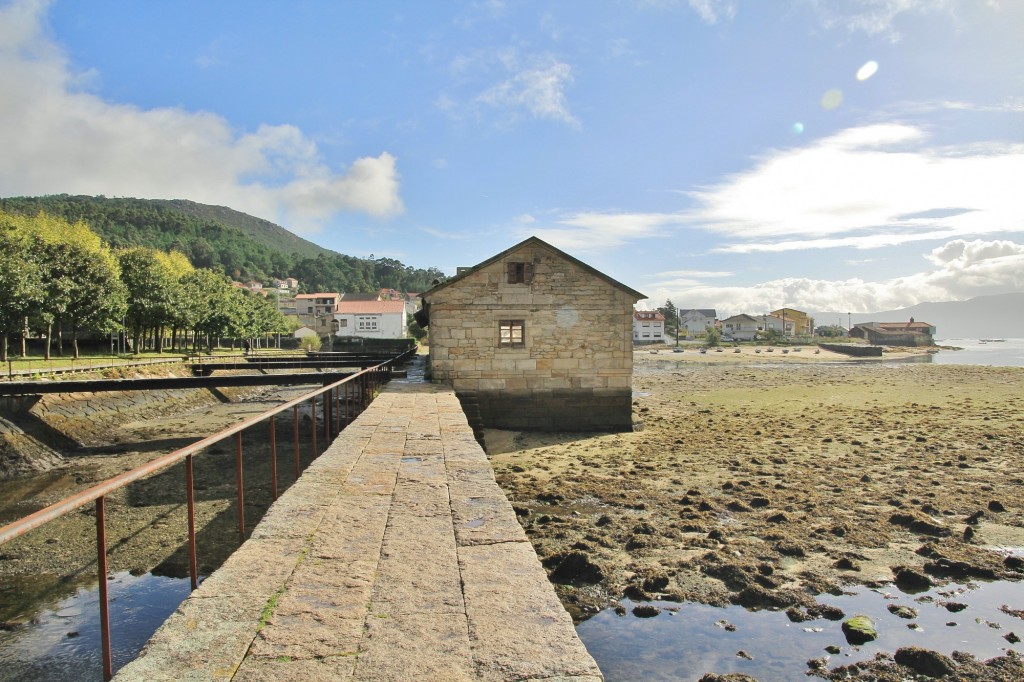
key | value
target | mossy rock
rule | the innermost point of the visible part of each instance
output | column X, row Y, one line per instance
column 859, row 630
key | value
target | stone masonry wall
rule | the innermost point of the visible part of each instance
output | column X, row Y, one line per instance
column 575, row 368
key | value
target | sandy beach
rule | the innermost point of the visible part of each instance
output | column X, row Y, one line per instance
column 765, row 480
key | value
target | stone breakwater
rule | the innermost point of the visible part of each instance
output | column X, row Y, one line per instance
column 395, row 557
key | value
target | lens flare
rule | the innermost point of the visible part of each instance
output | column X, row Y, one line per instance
column 797, row 128
column 867, row 71
column 831, row 99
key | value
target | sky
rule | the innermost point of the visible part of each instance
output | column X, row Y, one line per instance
column 742, row 155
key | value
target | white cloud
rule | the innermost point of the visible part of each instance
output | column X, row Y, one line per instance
column 712, row 10
column 865, row 187
column 963, row 270
column 536, row 87
column 59, row 138
column 876, row 17
column 593, row 231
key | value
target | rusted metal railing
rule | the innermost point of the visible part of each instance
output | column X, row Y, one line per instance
column 345, row 390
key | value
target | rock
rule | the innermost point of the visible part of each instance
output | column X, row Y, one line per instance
column 646, row 611
column 778, row 518
column 743, row 654
column 859, row 630
column 909, row 580
column 919, row 524
column 974, row 518
column 737, row 506
column 954, row 606
column 902, row 611
column 730, row 677
column 948, row 568
column 574, row 567
column 846, row 564
column 996, row 506
column 656, row 583
column 1014, row 563
column 833, row 649
column 1011, row 637
column 925, row 662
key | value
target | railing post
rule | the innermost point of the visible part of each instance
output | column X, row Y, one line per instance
column 101, row 570
column 312, row 402
column 241, row 486
column 327, row 419
column 335, row 392
column 273, row 456
column 295, row 430
column 193, row 569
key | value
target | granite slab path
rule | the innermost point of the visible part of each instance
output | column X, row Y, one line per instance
column 396, row 556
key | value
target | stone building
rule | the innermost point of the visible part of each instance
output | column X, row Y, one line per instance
column 537, row 339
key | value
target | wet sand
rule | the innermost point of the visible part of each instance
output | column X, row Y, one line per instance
column 766, row 483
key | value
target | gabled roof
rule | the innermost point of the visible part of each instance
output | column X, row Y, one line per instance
column 741, row 316
column 648, row 315
column 535, row 241
column 706, row 312
column 368, row 307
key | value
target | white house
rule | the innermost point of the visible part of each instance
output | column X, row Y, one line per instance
column 303, row 332
column 371, row 319
column 740, row 327
column 695, row 321
column 648, row 326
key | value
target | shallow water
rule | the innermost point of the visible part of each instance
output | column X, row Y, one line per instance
column 62, row 640
column 1005, row 353
column 687, row 640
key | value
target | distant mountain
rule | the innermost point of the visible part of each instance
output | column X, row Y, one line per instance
column 982, row 317
column 263, row 231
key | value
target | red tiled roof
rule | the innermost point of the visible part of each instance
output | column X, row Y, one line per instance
column 320, row 295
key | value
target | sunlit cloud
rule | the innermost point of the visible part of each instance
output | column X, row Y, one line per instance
column 702, row 274
column 962, row 270
column 866, row 187
column 58, row 138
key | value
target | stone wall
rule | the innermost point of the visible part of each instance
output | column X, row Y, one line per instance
column 574, row 371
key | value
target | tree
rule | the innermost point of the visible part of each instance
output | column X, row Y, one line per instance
column 20, row 282
column 81, row 278
column 712, row 337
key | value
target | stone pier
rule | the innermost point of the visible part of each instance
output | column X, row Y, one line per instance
column 395, row 557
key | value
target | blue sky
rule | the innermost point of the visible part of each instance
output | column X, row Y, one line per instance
column 828, row 155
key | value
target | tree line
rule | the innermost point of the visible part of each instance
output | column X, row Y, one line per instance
column 62, row 275
column 229, row 249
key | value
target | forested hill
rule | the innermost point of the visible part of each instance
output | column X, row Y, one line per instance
column 243, row 246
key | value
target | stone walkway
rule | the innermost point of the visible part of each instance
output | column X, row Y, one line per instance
column 395, row 557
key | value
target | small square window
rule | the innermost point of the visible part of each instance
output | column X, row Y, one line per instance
column 512, row 333
column 519, row 273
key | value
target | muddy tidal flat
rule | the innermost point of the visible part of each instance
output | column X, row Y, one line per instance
column 770, row 484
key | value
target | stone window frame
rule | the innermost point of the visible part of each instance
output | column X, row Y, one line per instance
column 519, row 272
column 507, row 333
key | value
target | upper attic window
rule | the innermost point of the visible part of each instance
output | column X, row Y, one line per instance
column 520, row 273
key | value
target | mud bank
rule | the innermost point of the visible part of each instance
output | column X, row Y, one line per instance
column 98, row 436
column 767, row 485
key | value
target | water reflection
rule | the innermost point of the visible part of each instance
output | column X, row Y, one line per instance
column 62, row 642
column 687, row 640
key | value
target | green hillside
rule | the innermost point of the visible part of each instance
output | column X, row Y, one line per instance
column 242, row 246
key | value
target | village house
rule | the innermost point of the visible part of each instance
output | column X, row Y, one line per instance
column 895, row 333
column 371, row 319
column 535, row 340
column 795, row 322
column 697, row 321
column 740, row 327
column 314, row 310
column 648, row 326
